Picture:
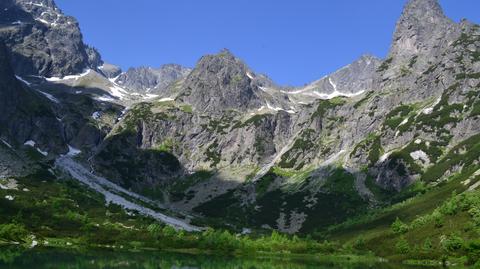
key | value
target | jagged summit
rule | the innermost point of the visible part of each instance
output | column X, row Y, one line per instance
column 225, row 58
column 219, row 82
column 43, row 41
column 152, row 80
column 350, row 80
column 420, row 32
column 421, row 8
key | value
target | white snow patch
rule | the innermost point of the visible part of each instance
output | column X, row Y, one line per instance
column 311, row 90
column 150, row 96
column 23, row 80
column 73, row 151
column 78, row 92
column 44, row 153
column 429, row 110
column 384, row 157
column 274, row 108
column 333, row 158
column 16, row 22
column 168, row 99
column 6, row 144
column 265, row 89
column 35, row 4
column 104, row 98
column 333, row 84
column 118, row 92
column 30, row 143
column 113, row 80
column 420, row 155
column 249, row 75
column 290, row 111
column 96, row 115
column 336, row 94
column 403, row 122
column 9, row 197
column 49, row 96
column 43, row 21
column 261, row 108
column 70, row 77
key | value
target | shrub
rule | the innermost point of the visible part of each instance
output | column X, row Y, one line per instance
column 427, row 244
column 402, row 246
column 399, row 227
column 13, row 232
column 155, row 229
column 359, row 243
column 451, row 243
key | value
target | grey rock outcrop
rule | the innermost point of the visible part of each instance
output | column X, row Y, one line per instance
column 42, row 40
column 110, row 71
column 26, row 115
column 422, row 32
column 151, row 80
column 352, row 79
column 220, row 82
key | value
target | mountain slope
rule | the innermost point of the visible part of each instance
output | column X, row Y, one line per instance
column 257, row 141
column 363, row 139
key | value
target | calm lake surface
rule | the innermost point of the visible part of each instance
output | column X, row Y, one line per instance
column 59, row 259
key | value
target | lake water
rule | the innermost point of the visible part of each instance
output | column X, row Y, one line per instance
column 63, row 259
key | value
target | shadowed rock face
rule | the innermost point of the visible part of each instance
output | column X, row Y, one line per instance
column 24, row 114
column 151, row 80
column 42, row 40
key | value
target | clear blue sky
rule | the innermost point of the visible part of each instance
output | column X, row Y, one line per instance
column 292, row 41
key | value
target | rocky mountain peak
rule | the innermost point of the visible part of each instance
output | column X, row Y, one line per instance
column 224, row 60
column 221, row 81
column 350, row 80
column 152, row 80
column 423, row 8
column 43, row 41
column 421, row 31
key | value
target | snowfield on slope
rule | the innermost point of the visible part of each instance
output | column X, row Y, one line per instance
column 103, row 186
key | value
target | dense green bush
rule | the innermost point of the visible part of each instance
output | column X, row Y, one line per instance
column 399, row 227
column 13, row 232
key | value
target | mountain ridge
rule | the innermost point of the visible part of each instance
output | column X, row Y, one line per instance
column 370, row 135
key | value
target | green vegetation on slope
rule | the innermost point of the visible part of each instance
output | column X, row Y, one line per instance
column 441, row 222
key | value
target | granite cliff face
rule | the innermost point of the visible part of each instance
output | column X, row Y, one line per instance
column 152, row 80
column 43, row 41
column 280, row 158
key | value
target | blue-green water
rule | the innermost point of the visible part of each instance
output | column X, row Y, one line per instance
column 63, row 259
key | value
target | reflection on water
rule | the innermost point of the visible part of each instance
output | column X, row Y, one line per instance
column 63, row 259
